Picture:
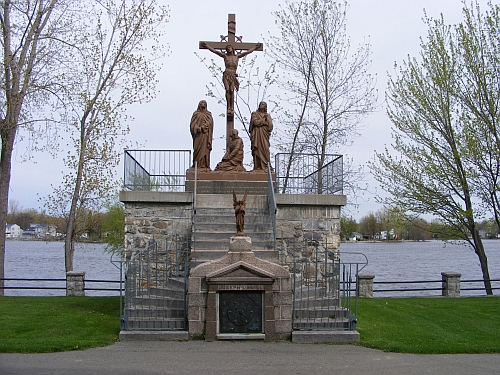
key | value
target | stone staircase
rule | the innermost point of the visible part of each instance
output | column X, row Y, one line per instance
column 216, row 224
column 315, row 310
column 157, row 307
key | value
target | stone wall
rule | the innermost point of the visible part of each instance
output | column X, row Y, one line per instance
column 303, row 219
column 163, row 215
column 158, row 215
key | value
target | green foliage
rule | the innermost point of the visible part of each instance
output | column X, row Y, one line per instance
column 113, row 227
column 53, row 324
column 430, row 325
column 347, row 227
column 445, row 161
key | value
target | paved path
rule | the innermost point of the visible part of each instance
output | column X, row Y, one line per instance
column 243, row 357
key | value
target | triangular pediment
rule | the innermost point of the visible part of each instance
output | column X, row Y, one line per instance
column 240, row 270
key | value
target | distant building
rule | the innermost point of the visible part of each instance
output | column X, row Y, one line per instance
column 13, row 231
column 40, row 230
column 355, row 236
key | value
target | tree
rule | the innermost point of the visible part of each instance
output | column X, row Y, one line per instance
column 430, row 173
column 32, row 36
column 347, row 227
column 478, row 48
column 329, row 90
column 113, row 226
column 369, row 226
column 116, row 57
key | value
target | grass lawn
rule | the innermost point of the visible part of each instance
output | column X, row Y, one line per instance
column 430, row 325
column 406, row 325
column 52, row 324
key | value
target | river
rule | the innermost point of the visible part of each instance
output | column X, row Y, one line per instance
column 407, row 261
column 45, row 260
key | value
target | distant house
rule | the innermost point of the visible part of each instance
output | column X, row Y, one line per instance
column 355, row 236
column 40, row 230
column 13, row 231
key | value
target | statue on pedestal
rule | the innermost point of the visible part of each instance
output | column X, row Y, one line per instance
column 261, row 126
column 239, row 213
column 202, row 126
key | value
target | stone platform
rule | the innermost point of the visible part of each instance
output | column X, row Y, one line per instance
column 215, row 182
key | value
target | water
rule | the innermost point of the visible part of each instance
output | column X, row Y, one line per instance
column 408, row 261
column 418, row 261
column 45, row 260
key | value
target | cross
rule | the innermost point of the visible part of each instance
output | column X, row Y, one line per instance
column 235, row 49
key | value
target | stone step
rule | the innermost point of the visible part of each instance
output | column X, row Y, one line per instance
column 257, row 237
column 170, row 291
column 225, row 201
column 317, row 302
column 153, row 313
column 145, row 323
column 320, row 324
column 224, row 229
column 321, row 313
column 159, row 302
column 204, row 256
column 222, row 245
column 229, row 212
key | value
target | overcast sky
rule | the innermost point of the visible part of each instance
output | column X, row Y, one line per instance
column 394, row 28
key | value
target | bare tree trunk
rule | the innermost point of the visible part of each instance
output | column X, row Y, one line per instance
column 5, row 172
column 483, row 261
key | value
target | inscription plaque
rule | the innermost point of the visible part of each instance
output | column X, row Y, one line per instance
column 240, row 312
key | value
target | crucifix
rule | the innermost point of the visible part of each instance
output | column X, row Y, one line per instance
column 235, row 49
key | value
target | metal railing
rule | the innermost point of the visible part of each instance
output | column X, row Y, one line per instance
column 324, row 287
column 60, row 284
column 271, row 202
column 156, row 288
column 156, row 170
column 427, row 288
column 307, row 174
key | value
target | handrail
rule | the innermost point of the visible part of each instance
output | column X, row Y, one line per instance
column 271, row 202
column 194, row 203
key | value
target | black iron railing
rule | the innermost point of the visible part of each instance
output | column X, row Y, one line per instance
column 309, row 173
column 156, row 170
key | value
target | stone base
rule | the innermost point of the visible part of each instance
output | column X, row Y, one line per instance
column 205, row 175
column 210, row 182
column 227, row 187
column 317, row 337
column 239, row 272
column 154, row 335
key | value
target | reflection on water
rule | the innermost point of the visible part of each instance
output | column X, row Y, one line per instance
column 408, row 261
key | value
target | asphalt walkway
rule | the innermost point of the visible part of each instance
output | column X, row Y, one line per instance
column 243, row 357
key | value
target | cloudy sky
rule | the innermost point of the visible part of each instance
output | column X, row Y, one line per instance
column 394, row 28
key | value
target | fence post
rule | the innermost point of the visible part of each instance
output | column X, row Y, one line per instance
column 451, row 284
column 75, row 283
column 365, row 286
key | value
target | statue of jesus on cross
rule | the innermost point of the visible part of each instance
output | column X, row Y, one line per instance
column 231, row 43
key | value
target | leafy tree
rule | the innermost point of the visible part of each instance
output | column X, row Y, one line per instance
column 431, row 173
column 33, row 35
column 113, row 226
column 347, row 227
column 327, row 86
column 369, row 226
column 478, row 48
column 116, row 59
